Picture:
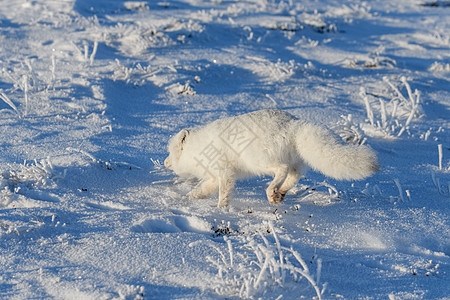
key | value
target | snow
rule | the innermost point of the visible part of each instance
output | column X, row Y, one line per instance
column 91, row 91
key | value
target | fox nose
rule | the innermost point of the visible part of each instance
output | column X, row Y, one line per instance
column 167, row 163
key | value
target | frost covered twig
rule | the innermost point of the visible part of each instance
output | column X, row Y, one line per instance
column 391, row 112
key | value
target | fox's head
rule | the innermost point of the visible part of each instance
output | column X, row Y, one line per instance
column 175, row 148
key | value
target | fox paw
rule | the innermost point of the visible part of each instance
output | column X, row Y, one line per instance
column 274, row 197
column 195, row 194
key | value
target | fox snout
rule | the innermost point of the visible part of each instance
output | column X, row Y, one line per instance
column 168, row 163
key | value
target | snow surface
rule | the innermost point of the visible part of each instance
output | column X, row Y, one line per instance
column 92, row 90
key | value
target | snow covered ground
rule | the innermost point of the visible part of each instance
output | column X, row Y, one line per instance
column 92, row 90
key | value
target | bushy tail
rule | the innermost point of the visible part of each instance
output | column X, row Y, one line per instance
column 324, row 152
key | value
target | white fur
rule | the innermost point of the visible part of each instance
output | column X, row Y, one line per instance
column 266, row 142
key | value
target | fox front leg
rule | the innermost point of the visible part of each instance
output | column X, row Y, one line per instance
column 204, row 188
column 226, row 185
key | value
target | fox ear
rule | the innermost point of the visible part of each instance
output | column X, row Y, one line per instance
column 183, row 135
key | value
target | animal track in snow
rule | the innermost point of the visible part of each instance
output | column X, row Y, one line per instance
column 108, row 205
column 172, row 224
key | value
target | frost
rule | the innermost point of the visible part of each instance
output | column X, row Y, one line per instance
column 35, row 174
column 372, row 62
column 349, row 131
column 272, row 72
column 391, row 113
column 439, row 67
column 265, row 267
column 93, row 90
column 181, row 89
column 136, row 5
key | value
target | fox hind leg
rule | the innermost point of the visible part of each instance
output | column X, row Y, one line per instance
column 291, row 179
column 273, row 191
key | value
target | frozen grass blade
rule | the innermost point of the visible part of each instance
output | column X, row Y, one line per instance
column 94, row 51
column 305, row 272
column 368, row 108
column 408, row 121
column 395, row 89
column 442, row 190
column 9, row 102
column 280, row 252
column 230, row 250
column 80, row 54
column 51, row 85
column 34, row 80
column 319, row 271
column 25, row 91
column 383, row 114
column 408, row 194
column 408, row 89
column 53, row 67
column 262, row 272
column 299, row 259
column 394, row 110
column 436, row 182
column 86, row 50
column 440, row 156
column 275, row 104
column 400, row 190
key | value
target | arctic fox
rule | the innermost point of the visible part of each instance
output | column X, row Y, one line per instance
column 265, row 142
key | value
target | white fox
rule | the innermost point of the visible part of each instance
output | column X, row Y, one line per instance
column 265, row 142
